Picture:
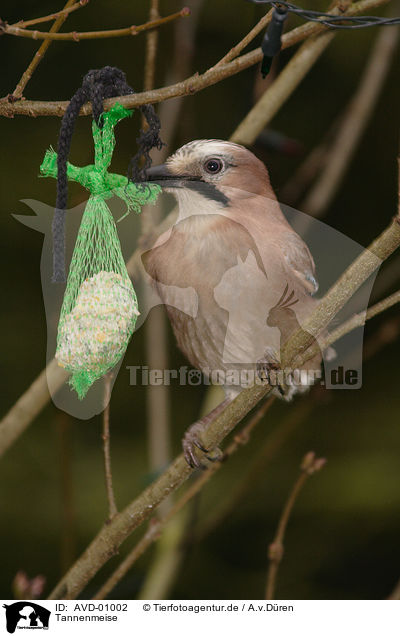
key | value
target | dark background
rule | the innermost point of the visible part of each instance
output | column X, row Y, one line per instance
column 342, row 540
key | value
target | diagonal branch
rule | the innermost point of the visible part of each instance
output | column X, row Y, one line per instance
column 309, row 466
column 112, row 536
column 157, row 525
column 293, row 420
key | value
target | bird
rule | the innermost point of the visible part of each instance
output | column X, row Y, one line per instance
column 232, row 244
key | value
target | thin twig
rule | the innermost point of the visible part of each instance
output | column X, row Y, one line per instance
column 151, row 49
column 37, row 58
column 236, row 50
column 76, row 36
column 68, row 529
column 189, row 86
column 274, row 442
column 358, row 320
column 156, row 525
column 308, row 467
column 157, row 397
column 112, row 507
column 51, row 16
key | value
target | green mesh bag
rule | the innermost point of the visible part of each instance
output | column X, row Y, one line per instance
column 100, row 308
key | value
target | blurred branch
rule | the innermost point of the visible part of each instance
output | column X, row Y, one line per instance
column 189, row 86
column 308, row 467
column 29, row 405
column 37, row 58
column 112, row 507
column 353, row 124
column 334, row 154
column 180, row 67
column 157, row 525
column 296, row 416
column 151, row 48
column 76, row 36
column 68, row 528
column 110, row 537
column 281, row 89
column 157, row 397
column 167, row 559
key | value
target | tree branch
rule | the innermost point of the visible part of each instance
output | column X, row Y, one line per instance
column 236, row 50
column 354, row 122
column 294, row 419
column 110, row 538
column 157, row 525
column 52, row 16
column 189, row 86
column 29, row 405
column 309, row 466
column 75, row 36
column 37, row 58
column 112, row 507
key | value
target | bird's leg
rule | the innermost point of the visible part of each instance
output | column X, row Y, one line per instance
column 192, row 442
column 268, row 368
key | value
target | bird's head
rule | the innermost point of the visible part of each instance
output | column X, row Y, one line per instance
column 211, row 168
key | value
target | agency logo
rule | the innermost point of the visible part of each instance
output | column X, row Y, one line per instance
column 26, row 615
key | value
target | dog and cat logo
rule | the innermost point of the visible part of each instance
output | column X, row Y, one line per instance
column 26, row 615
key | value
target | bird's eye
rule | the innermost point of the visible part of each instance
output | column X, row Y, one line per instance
column 213, row 166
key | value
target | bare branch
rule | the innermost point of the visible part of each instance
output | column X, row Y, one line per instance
column 76, row 36
column 354, row 122
column 236, row 50
column 309, row 466
column 157, row 525
column 29, row 405
column 37, row 58
column 151, row 49
column 279, row 91
column 112, row 507
column 189, row 86
column 53, row 16
column 110, row 537
column 358, row 320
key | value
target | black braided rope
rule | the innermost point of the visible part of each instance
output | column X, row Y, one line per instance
column 97, row 85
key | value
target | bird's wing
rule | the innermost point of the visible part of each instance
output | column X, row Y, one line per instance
column 298, row 257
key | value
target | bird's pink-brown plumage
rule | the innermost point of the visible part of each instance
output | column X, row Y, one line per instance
column 233, row 246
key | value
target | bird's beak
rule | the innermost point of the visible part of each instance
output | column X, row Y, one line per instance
column 163, row 177
column 158, row 173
